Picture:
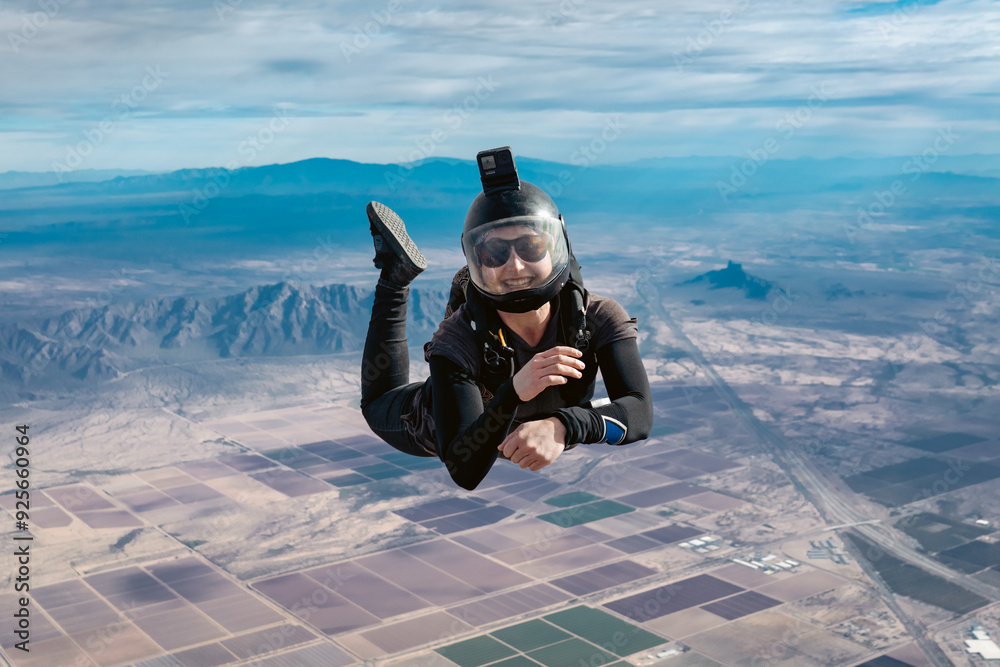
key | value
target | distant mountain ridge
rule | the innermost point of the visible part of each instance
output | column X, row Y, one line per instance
column 288, row 205
column 10, row 180
column 270, row 320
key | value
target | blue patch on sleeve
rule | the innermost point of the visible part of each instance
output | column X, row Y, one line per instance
column 614, row 431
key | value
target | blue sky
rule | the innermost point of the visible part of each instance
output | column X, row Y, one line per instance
column 166, row 85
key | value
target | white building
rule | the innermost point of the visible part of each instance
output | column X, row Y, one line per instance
column 986, row 648
column 982, row 645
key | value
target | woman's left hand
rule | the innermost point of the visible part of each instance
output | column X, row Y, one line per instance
column 535, row 444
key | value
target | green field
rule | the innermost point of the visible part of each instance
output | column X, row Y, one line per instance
column 571, row 652
column 572, row 498
column 615, row 635
column 516, row 661
column 911, row 581
column 990, row 577
column 944, row 442
column 411, row 462
column 972, row 557
column 905, row 471
column 476, row 651
column 382, row 471
column 863, row 484
column 574, row 516
column 917, row 479
column 556, row 640
column 938, row 533
column 531, row 635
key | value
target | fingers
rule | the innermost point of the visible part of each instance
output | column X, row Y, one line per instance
column 564, row 353
column 508, row 447
column 569, row 371
column 564, row 350
column 562, row 363
column 522, row 458
column 512, row 442
column 528, row 459
column 534, row 463
column 515, row 449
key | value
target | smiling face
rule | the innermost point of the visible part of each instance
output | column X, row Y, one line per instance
column 517, row 272
column 517, row 260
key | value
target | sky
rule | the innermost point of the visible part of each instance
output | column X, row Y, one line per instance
column 122, row 84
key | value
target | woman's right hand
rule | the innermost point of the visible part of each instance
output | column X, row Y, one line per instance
column 551, row 367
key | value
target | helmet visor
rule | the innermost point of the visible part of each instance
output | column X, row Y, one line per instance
column 516, row 254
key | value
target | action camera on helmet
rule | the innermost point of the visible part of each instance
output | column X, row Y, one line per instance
column 497, row 170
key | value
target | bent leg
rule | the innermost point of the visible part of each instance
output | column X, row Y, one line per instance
column 386, row 395
column 384, row 416
column 385, row 363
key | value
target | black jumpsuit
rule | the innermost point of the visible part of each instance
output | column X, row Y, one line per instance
column 459, row 419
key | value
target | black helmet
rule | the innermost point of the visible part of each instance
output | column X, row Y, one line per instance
column 514, row 239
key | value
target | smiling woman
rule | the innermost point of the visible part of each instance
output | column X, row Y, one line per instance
column 514, row 363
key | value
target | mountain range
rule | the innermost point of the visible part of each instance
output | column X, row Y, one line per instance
column 282, row 319
column 211, row 211
column 270, row 320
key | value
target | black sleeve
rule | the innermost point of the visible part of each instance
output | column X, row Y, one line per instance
column 628, row 388
column 467, row 433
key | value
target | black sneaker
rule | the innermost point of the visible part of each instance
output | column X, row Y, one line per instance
column 395, row 253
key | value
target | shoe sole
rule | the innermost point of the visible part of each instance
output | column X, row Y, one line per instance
column 392, row 229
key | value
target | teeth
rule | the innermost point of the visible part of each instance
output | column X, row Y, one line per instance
column 518, row 283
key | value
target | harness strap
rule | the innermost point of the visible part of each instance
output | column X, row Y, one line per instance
column 498, row 357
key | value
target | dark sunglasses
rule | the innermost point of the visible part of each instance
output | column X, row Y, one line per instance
column 494, row 252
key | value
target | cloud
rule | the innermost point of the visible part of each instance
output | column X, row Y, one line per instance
column 370, row 81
